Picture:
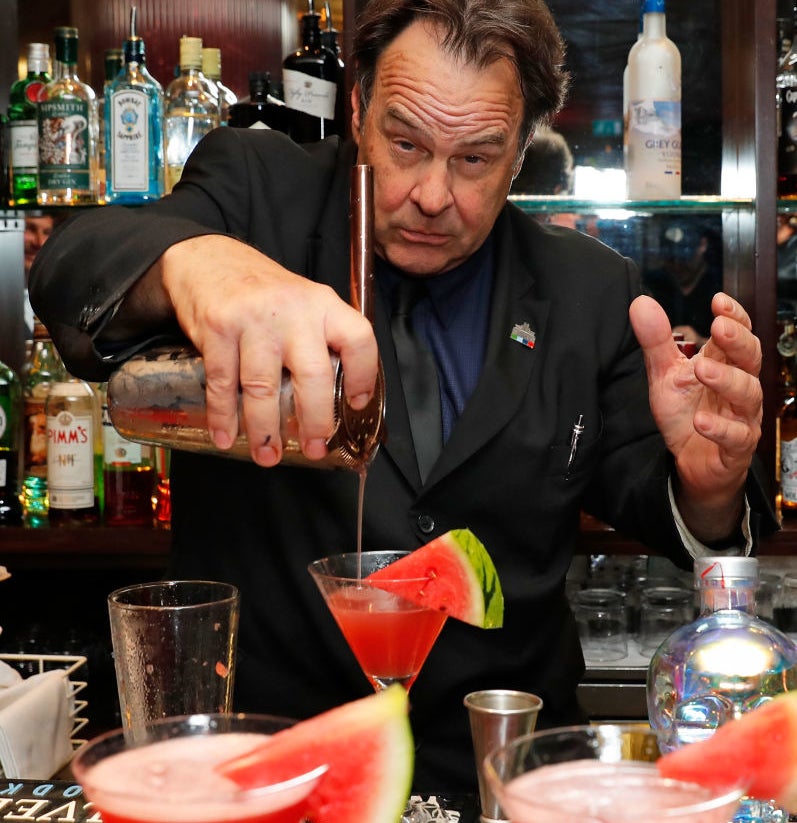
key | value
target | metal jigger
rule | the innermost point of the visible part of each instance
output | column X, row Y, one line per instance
column 496, row 717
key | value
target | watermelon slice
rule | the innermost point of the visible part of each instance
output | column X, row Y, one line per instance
column 367, row 746
column 758, row 752
column 453, row 574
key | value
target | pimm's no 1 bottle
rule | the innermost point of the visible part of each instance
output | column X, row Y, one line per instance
column 23, row 129
column 68, row 131
column 74, row 452
column 134, row 128
column 10, row 411
column 310, row 82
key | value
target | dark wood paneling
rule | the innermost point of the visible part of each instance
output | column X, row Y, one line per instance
column 248, row 32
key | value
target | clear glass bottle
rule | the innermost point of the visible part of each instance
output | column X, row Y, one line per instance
column 74, row 453
column 42, row 368
column 10, row 413
column 191, row 110
column 134, row 128
column 720, row 666
column 211, row 68
column 654, row 110
column 310, row 82
column 68, row 131
column 128, row 476
column 23, row 130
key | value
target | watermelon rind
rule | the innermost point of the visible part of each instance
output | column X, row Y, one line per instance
column 368, row 747
column 757, row 751
column 453, row 573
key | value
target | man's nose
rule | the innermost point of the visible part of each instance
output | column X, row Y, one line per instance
column 432, row 190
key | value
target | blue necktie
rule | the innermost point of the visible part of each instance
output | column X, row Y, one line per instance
column 418, row 376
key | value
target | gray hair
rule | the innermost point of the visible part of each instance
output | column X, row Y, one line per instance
column 482, row 31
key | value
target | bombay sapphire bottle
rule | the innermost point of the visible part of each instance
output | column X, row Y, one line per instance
column 134, row 129
column 720, row 666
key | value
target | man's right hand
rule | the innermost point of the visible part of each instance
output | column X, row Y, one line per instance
column 249, row 317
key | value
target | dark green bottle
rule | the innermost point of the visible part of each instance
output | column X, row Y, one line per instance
column 23, row 132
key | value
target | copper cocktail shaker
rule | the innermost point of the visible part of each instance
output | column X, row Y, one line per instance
column 158, row 396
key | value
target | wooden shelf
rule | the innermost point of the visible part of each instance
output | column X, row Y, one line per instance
column 101, row 547
column 93, row 547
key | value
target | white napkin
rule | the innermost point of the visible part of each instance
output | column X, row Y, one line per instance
column 35, row 725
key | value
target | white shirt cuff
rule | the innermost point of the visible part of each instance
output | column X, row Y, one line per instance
column 698, row 549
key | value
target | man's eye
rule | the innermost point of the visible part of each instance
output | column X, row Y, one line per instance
column 473, row 159
column 405, row 145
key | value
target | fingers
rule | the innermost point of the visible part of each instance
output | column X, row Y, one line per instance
column 732, row 339
column 250, row 318
column 653, row 331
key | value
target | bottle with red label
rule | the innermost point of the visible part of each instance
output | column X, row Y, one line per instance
column 23, row 132
column 74, row 452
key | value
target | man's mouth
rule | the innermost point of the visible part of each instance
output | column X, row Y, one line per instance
column 423, row 237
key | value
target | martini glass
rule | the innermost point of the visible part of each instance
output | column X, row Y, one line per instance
column 390, row 636
column 168, row 774
column 597, row 774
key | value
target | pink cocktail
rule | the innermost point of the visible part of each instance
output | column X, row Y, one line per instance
column 597, row 774
column 390, row 636
column 171, row 776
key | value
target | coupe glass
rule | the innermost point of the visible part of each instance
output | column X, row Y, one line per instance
column 597, row 774
column 169, row 775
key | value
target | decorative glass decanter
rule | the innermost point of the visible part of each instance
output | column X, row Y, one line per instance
column 723, row 664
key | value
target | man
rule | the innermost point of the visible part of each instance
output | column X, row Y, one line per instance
column 38, row 228
column 448, row 94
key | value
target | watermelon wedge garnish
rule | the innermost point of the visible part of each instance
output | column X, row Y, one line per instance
column 758, row 752
column 367, row 747
column 454, row 574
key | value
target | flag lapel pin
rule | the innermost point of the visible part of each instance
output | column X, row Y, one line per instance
column 522, row 333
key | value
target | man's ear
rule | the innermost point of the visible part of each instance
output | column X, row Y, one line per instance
column 356, row 114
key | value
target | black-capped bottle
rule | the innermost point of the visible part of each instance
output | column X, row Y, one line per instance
column 10, row 414
column 23, row 129
column 310, row 82
column 74, row 453
column 263, row 110
column 68, row 131
column 330, row 40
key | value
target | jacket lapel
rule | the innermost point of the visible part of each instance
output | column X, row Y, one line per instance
column 508, row 363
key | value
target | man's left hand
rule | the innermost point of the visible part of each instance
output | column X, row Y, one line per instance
column 708, row 408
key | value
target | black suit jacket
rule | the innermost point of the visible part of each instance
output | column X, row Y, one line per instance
column 502, row 473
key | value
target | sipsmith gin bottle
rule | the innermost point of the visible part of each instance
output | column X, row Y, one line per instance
column 68, row 131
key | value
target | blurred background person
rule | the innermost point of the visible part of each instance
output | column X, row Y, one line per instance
column 38, row 227
column 685, row 274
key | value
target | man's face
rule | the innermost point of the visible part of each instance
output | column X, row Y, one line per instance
column 37, row 230
column 442, row 137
